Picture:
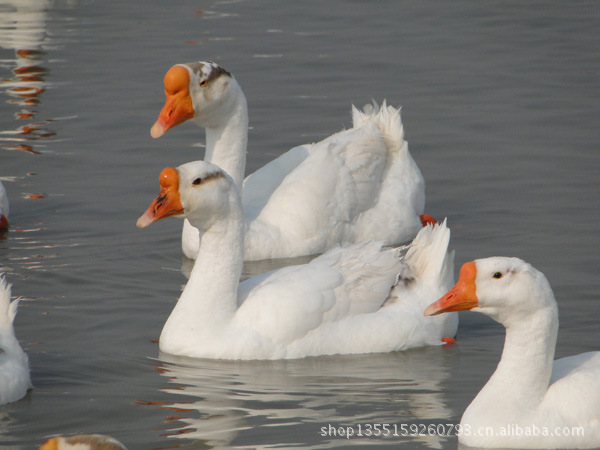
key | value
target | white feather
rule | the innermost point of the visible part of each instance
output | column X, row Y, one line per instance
column 529, row 389
column 356, row 185
column 14, row 364
column 355, row 298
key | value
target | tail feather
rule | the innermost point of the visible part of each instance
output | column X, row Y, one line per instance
column 428, row 256
column 362, row 116
column 8, row 309
column 388, row 120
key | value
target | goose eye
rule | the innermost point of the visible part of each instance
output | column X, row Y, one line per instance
column 203, row 83
column 197, row 181
column 497, row 275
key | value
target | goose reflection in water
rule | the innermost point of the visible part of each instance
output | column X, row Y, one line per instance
column 23, row 29
column 263, row 403
column 23, row 78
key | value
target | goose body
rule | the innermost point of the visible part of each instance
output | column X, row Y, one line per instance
column 356, row 185
column 356, row 298
column 14, row 365
column 528, row 391
column 3, row 208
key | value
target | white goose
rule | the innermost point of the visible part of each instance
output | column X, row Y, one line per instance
column 528, row 390
column 356, row 185
column 354, row 299
column 14, row 365
column 83, row 442
column 3, row 208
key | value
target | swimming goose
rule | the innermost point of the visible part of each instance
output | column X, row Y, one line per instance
column 528, row 391
column 356, row 185
column 83, row 442
column 356, row 298
column 3, row 208
column 15, row 380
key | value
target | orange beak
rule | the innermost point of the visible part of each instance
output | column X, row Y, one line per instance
column 3, row 222
column 178, row 105
column 50, row 444
column 167, row 203
column 462, row 296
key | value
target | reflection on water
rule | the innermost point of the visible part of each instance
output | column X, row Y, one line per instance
column 218, row 402
column 24, row 61
column 502, row 119
column 23, row 30
column 22, row 245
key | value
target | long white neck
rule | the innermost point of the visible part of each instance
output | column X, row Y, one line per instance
column 522, row 376
column 209, row 300
column 227, row 139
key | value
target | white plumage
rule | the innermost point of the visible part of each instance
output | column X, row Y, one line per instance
column 561, row 398
column 358, row 298
column 356, row 185
column 14, row 365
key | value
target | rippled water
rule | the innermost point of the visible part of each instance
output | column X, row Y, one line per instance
column 500, row 107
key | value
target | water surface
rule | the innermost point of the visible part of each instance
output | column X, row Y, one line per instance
column 500, row 107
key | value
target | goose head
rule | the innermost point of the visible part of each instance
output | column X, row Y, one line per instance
column 82, row 442
column 506, row 289
column 202, row 91
column 198, row 191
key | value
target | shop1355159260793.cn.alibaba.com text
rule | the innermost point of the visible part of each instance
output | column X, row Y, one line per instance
column 391, row 430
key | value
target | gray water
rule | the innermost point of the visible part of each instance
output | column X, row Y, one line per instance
column 501, row 110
